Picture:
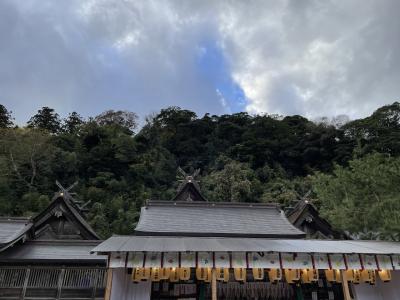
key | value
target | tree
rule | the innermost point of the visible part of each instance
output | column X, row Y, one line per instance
column 234, row 182
column 379, row 132
column 123, row 118
column 363, row 198
column 72, row 123
column 5, row 117
column 27, row 154
column 46, row 119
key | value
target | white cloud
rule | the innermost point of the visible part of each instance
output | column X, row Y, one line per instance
column 290, row 57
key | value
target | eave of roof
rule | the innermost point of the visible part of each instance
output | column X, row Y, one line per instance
column 19, row 228
column 199, row 244
column 54, row 251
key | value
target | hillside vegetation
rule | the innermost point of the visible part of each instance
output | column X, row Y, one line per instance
column 350, row 171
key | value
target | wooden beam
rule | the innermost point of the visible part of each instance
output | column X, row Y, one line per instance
column 107, row 295
column 345, row 285
column 213, row 284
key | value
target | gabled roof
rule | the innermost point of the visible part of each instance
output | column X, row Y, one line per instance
column 190, row 191
column 77, row 252
column 12, row 230
column 305, row 214
column 62, row 205
column 214, row 219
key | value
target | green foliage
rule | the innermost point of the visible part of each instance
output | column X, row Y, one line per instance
column 363, row 198
column 72, row 123
column 5, row 117
column 234, row 182
column 46, row 119
column 261, row 158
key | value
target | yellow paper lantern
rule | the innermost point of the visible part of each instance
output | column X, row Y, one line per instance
column 338, row 276
column 350, row 275
column 136, row 275
column 356, row 277
column 222, row 274
column 333, row 275
column 385, row 275
column 140, row 274
column 164, row 273
column 258, row 273
column 208, row 275
column 368, row 276
column 373, row 277
column 275, row 275
column 292, row 275
column 203, row 274
column 304, row 276
column 313, row 275
column 174, row 275
column 155, row 274
column 184, row 273
column 240, row 274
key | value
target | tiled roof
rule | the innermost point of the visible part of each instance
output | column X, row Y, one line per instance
column 183, row 244
column 12, row 230
column 53, row 251
column 214, row 219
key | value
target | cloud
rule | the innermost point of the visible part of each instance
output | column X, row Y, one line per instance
column 314, row 57
column 289, row 57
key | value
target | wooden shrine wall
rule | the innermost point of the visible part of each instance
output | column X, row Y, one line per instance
column 52, row 283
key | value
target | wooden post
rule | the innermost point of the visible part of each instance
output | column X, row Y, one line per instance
column 60, row 283
column 345, row 285
column 107, row 295
column 213, row 284
column 28, row 272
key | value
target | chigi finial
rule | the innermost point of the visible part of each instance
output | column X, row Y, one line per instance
column 67, row 194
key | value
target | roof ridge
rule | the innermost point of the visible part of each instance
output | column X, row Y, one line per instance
column 211, row 204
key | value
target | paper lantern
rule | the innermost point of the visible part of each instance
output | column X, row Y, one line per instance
column 258, row 273
column 140, row 274
column 275, row 275
column 136, row 275
column 373, row 277
column 184, row 273
column 350, row 275
column 313, row 275
column 222, row 274
column 240, row 274
column 155, row 274
column 174, row 275
column 164, row 273
column 292, row 276
column 338, row 276
column 333, row 275
column 203, row 274
column 368, row 276
column 208, row 275
column 385, row 275
column 304, row 276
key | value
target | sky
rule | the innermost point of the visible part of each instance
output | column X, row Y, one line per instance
column 314, row 58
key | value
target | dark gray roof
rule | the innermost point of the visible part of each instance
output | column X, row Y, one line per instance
column 214, row 219
column 182, row 244
column 12, row 230
column 64, row 202
column 76, row 252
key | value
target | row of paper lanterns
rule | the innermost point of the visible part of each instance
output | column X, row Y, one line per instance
column 274, row 275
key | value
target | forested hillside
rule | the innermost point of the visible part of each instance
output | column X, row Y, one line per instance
column 350, row 171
